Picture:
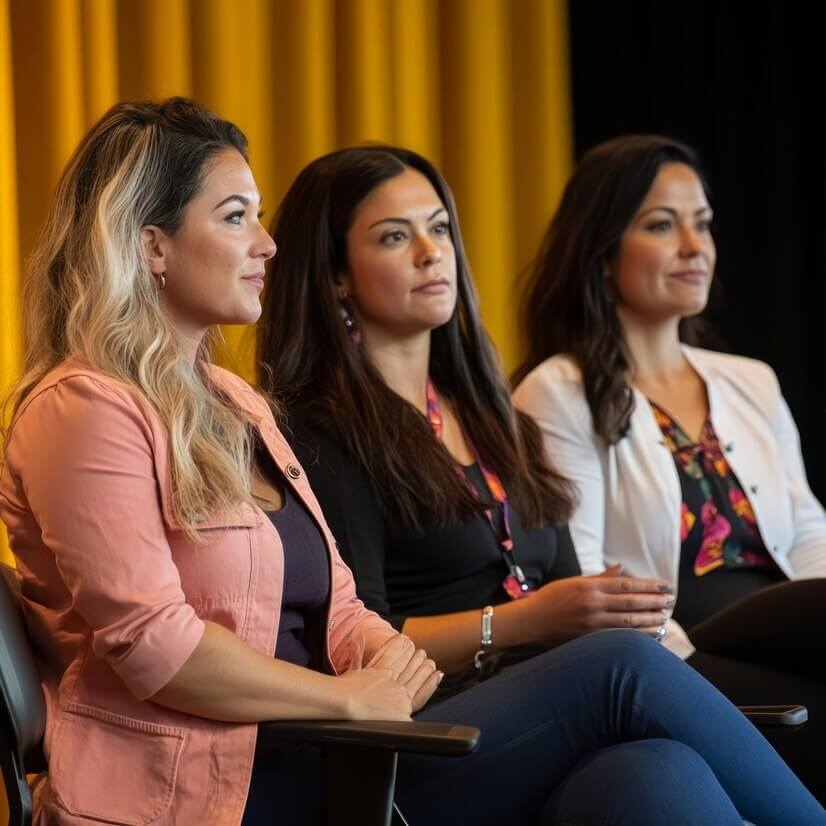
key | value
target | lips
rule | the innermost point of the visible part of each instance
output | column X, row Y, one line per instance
column 691, row 276
column 437, row 285
column 256, row 278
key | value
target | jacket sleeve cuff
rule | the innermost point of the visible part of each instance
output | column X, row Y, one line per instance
column 160, row 650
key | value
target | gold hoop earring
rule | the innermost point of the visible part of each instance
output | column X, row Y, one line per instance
column 162, row 281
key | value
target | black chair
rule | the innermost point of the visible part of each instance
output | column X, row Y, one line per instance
column 359, row 758
column 22, row 711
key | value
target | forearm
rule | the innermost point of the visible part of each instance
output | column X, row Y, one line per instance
column 451, row 640
column 226, row 679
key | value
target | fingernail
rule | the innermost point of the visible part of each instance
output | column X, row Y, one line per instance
column 441, row 677
column 665, row 588
column 669, row 602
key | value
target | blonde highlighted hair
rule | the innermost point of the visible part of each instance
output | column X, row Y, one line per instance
column 90, row 292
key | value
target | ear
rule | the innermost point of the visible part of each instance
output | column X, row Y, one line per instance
column 153, row 246
column 343, row 284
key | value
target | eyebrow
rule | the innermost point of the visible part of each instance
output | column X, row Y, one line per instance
column 242, row 198
column 406, row 220
column 672, row 211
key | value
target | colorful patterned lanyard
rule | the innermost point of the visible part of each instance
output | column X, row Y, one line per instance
column 515, row 584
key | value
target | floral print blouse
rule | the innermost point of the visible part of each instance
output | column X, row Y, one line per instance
column 716, row 522
column 718, row 529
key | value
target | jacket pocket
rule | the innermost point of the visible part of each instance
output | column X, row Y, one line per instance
column 113, row 768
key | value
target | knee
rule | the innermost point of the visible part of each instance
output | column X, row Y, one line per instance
column 643, row 782
column 633, row 649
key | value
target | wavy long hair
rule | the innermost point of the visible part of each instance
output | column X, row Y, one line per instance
column 308, row 359
column 90, row 294
column 567, row 306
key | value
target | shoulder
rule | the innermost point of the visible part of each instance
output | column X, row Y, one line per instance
column 73, row 388
column 746, row 376
column 244, row 395
column 315, row 438
column 76, row 412
column 556, row 380
column 558, row 368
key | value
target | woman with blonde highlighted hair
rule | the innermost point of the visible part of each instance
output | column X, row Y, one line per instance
column 178, row 579
column 167, row 543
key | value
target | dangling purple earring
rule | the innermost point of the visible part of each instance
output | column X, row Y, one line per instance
column 349, row 321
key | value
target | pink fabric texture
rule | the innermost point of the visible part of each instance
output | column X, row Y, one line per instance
column 115, row 596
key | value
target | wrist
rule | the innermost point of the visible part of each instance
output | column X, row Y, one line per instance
column 335, row 697
column 516, row 624
column 485, row 635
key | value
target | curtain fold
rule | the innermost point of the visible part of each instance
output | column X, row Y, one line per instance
column 478, row 86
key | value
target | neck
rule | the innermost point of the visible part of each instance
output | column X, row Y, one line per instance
column 189, row 348
column 189, row 335
column 404, row 365
column 656, row 352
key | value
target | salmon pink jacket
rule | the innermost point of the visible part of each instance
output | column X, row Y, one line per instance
column 115, row 596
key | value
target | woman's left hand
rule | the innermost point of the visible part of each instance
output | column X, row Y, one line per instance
column 409, row 666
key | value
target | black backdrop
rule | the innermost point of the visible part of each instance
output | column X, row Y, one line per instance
column 746, row 86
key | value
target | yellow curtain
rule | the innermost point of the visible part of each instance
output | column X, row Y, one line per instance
column 479, row 86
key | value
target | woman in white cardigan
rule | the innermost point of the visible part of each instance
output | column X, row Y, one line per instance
column 687, row 461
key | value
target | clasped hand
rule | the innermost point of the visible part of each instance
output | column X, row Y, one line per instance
column 398, row 680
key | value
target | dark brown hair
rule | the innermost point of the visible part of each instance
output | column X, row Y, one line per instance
column 307, row 359
column 567, row 306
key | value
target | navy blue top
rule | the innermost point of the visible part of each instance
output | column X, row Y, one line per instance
column 306, row 585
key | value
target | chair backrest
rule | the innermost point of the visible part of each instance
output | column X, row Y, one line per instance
column 22, row 709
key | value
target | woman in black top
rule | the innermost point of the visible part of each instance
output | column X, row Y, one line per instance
column 437, row 490
column 446, row 508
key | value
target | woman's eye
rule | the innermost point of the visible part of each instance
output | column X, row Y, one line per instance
column 704, row 226
column 394, row 236
column 234, row 218
column 441, row 228
column 660, row 226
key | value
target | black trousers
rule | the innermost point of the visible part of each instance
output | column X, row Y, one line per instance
column 770, row 649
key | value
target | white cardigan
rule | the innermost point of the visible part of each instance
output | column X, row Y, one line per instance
column 630, row 492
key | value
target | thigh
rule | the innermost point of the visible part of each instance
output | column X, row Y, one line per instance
column 541, row 718
column 538, row 719
column 670, row 783
column 780, row 626
column 285, row 787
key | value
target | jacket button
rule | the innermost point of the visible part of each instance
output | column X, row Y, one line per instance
column 753, row 488
column 729, row 447
column 293, row 472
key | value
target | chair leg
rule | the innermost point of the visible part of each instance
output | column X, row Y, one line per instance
column 359, row 787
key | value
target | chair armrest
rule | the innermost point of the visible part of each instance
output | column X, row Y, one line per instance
column 409, row 736
column 787, row 715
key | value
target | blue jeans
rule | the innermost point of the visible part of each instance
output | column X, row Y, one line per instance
column 608, row 729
